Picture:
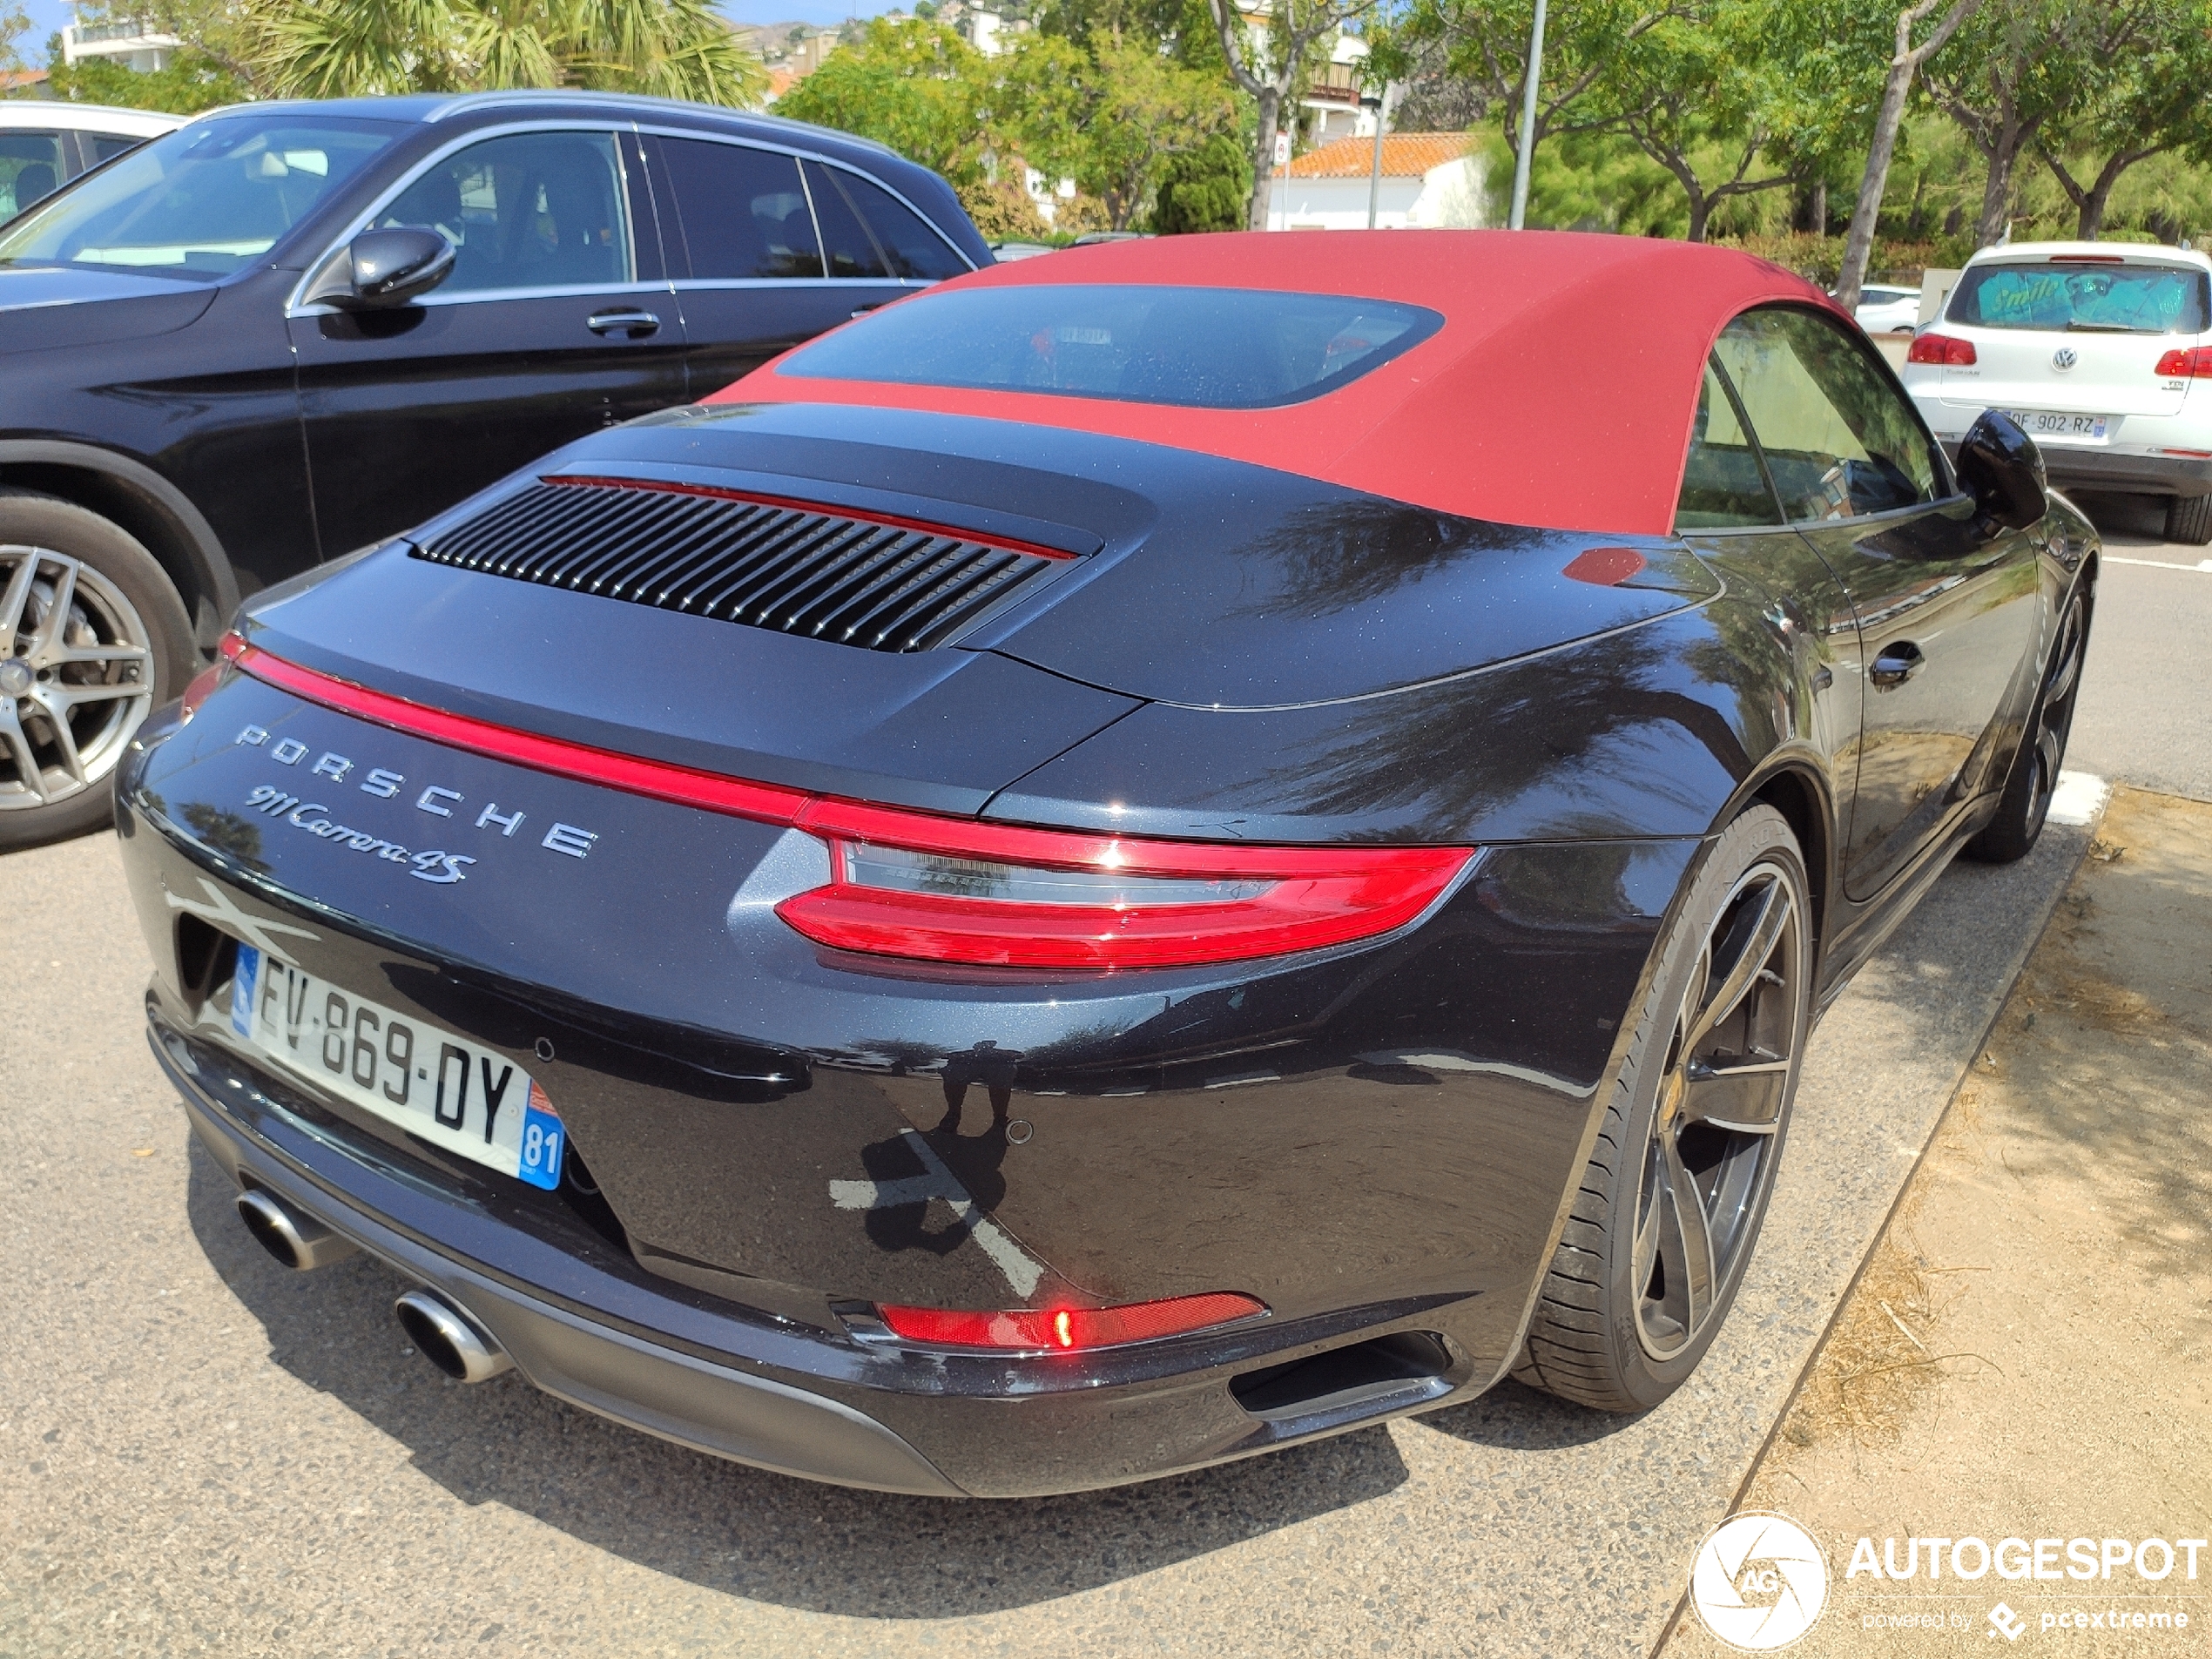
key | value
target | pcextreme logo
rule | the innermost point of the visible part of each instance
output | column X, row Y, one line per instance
column 1759, row 1581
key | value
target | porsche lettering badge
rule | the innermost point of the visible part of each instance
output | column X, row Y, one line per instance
column 317, row 818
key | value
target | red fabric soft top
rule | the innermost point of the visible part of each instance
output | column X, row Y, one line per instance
column 1558, row 392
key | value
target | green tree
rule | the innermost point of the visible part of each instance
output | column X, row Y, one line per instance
column 1268, row 65
column 2141, row 94
column 14, row 21
column 1204, row 189
column 912, row 84
column 191, row 82
column 351, row 48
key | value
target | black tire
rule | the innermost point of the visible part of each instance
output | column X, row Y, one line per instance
column 1616, row 1328
column 2025, row 803
column 2188, row 520
column 54, row 779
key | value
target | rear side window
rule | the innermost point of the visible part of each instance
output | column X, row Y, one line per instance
column 2090, row 298
column 105, row 146
column 531, row 209
column 31, row 167
column 744, row 211
column 1212, row 348
column 1839, row 439
column 910, row 248
column 1721, row 485
column 847, row 248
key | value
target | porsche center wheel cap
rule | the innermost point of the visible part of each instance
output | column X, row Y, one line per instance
column 16, row 677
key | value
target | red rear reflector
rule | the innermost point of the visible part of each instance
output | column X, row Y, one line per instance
column 2193, row 364
column 1070, row 1328
column 203, row 687
column 947, row 889
column 1944, row 349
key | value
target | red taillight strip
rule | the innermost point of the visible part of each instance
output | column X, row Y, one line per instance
column 1318, row 896
column 686, row 785
column 891, row 520
column 1033, row 1329
column 2195, row 364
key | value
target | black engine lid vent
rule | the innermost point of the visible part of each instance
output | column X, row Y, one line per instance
column 883, row 583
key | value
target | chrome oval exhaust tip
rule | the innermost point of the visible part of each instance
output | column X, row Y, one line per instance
column 448, row 1338
column 299, row 1242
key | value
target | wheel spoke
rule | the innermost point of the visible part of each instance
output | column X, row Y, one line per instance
column 14, row 600
column 17, row 745
column 1746, row 1097
column 2048, row 745
column 106, row 656
column 1772, row 917
column 1685, row 1243
column 57, row 619
column 64, row 739
column 57, row 698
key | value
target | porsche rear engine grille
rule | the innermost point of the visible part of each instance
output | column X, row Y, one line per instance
column 881, row 583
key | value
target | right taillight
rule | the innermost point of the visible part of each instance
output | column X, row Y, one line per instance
column 2193, row 364
column 1945, row 350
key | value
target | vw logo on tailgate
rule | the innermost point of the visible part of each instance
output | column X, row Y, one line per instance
column 2064, row 358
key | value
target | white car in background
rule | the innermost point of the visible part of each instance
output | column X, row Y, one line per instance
column 45, row 143
column 1886, row 310
column 2100, row 351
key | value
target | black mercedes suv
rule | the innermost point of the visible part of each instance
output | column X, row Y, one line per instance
column 286, row 331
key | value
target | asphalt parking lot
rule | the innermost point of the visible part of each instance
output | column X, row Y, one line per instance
column 202, row 1453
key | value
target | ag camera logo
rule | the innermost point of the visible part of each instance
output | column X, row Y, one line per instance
column 1759, row 1581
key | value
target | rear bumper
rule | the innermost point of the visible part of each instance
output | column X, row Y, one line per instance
column 2120, row 473
column 780, row 1395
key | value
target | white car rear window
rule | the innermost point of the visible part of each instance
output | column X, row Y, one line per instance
column 2083, row 297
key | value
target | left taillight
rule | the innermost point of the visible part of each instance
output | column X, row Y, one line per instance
column 932, row 889
column 202, row 684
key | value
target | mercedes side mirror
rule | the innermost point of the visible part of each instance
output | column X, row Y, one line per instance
column 384, row 268
column 2002, row 469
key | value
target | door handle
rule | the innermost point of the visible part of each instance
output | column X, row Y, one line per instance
column 629, row 323
column 1897, row 665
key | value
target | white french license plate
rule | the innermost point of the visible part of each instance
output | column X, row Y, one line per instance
column 2045, row 423
column 452, row 1093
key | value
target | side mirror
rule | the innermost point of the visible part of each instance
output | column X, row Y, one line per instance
column 2002, row 469
column 384, row 268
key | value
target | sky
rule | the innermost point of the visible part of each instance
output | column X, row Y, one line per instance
column 48, row 16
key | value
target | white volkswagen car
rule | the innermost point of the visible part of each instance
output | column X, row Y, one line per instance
column 2097, row 349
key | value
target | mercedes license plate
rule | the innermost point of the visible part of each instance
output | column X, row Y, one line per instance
column 449, row 1091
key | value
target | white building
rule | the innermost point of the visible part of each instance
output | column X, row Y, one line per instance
column 135, row 45
column 1430, row 181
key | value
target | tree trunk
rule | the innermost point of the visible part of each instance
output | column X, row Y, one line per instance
column 1858, row 241
column 1997, row 190
column 1270, row 105
column 1820, row 208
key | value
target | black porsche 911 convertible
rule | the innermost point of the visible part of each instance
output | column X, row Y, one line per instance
column 1143, row 856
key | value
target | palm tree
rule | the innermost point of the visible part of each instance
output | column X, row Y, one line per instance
column 354, row 47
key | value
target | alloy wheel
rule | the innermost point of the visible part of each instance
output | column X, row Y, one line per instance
column 1714, row 1129
column 76, row 676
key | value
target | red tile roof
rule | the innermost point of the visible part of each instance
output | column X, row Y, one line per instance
column 1405, row 155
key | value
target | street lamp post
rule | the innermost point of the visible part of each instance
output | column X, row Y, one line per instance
column 1372, row 103
column 1527, row 119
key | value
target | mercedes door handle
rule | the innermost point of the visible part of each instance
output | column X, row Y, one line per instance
column 1897, row 665
column 631, row 324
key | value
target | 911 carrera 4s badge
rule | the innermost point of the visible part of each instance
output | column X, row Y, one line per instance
column 453, row 1093
column 319, row 819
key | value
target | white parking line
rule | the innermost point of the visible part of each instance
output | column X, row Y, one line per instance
column 2203, row 566
column 2078, row 798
